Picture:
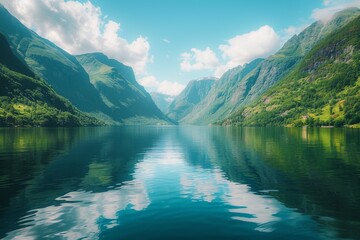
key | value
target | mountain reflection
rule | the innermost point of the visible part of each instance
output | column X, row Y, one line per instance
column 111, row 181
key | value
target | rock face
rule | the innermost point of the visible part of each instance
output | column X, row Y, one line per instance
column 128, row 101
column 323, row 90
column 102, row 95
column 194, row 93
column 241, row 86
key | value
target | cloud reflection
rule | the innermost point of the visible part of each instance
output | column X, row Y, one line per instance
column 164, row 174
column 79, row 212
column 211, row 185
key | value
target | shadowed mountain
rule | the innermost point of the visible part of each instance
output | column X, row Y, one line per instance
column 127, row 99
column 57, row 67
column 27, row 100
column 118, row 101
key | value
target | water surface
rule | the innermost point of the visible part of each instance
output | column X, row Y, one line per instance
column 179, row 183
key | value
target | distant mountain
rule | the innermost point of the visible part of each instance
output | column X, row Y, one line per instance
column 241, row 86
column 162, row 101
column 26, row 100
column 193, row 94
column 127, row 99
column 223, row 97
column 114, row 97
column 324, row 89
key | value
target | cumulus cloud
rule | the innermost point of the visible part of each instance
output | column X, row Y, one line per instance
column 249, row 46
column 236, row 51
column 164, row 87
column 80, row 27
column 331, row 7
column 198, row 59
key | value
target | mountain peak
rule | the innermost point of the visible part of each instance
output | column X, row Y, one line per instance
column 126, row 71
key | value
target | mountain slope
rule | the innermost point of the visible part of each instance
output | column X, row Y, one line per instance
column 29, row 101
column 162, row 101
column 241, row 91
column 128, row 100
column 67, row 77
column 222, row 97
column 323, row 90
column 54, row 65
column 194, row 93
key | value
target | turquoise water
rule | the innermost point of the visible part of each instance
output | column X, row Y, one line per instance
column 179, row 183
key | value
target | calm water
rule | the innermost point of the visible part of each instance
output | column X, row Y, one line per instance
column 179, row 183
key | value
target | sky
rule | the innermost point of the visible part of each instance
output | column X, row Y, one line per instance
column 170, row 42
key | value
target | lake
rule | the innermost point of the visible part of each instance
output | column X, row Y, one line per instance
column 179, row 182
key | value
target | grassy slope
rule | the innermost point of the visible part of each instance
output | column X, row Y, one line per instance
column 235, row 91
column 323, row 90
column 26, row 100
column 57, row 67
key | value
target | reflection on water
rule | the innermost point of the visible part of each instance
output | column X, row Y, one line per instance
column 180, row 183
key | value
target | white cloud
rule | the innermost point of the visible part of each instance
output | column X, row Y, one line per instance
column 198, row 59
column 291, row 31
column 331, row 7
column 80, row 28
column 220, row 70
column 164, row 87
column 249, row 46
column 237, row 51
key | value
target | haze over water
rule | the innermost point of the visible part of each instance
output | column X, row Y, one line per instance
column 183, row 182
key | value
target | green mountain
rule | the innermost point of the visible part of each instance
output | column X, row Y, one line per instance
column 241, row 86
column 128, row 101
column 120, row 100
column 222, row 97
column 26, row 100
column 57, row 67
column 162, row 101
column 193, row 94
column 324, row 89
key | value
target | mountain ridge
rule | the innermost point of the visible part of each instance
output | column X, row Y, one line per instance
column 27, row 100
column 126, row 98
column 237, row 93
column 64, row 73
column 323, row 90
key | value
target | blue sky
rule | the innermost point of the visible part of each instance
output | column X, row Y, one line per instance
column 170, row 42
